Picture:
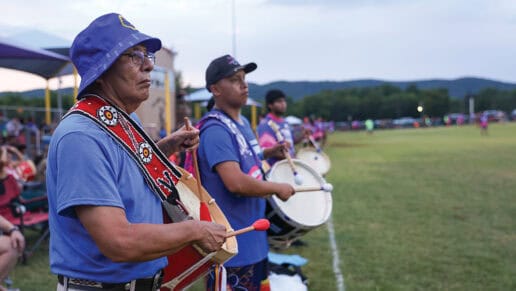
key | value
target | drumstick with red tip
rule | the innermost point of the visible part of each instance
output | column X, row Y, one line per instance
column 297, row 177
column 259, row 225
column 327, row 187
column 204, row 212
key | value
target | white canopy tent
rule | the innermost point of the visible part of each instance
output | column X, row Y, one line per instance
column 201, row 97
column 204, row 95
column 292, row 120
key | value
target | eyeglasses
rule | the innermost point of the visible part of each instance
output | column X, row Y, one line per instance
column 138, row 57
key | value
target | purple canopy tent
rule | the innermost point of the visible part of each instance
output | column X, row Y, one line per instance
column 44, row 63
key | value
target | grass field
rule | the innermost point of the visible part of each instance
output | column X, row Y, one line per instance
column 414, row 209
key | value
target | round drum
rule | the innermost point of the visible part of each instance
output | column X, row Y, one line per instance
column 303, row 212
column 191, row 263
column 315, row 159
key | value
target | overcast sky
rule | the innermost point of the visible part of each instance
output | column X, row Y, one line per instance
column 300, row 40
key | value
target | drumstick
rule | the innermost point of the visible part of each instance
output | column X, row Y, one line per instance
column 315, row 144
column 297, row 178
column 204, row 212
column 327, row 187
column 260, row 225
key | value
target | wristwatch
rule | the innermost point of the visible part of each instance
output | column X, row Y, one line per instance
column 13, row 229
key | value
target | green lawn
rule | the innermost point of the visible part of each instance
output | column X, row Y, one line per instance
column 413, row 209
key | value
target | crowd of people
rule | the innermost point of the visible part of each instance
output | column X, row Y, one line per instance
column 12, row 241
column 21, row 162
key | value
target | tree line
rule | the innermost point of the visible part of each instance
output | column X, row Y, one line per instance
column 389, row 102
column 381, row 102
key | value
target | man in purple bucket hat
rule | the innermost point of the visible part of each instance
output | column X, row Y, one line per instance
column 105, row 199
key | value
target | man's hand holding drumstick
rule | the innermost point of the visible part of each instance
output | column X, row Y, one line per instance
column 182, row 139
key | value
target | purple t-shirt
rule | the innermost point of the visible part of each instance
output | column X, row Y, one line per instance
column 267, row 136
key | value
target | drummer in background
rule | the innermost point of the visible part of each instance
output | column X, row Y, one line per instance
column 308, row 129
column 230, row 171
column 106, row 223
column 276, row 103
column 319, row 133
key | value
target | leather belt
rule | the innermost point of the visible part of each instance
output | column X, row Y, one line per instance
column 145, row 284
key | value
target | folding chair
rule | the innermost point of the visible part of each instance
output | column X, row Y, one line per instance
column 25, row 209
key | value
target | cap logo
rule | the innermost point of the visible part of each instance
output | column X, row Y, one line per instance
column 125, row 23
column 232, row 61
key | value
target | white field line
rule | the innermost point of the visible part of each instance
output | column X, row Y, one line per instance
column 336, row 259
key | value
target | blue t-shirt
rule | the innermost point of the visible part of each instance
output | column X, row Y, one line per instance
column 218, row 144
column 88, row 167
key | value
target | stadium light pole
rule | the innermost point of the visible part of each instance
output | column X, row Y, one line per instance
column 233, row 27
column 59, row 97
column 420, row 109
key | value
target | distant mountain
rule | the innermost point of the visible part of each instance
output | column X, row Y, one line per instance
column 38, row 93
column 457, row 88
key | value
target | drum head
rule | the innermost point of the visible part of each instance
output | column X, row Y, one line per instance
column 189, row 199
column 317, row 160
column 311, row 208
column 187, row 189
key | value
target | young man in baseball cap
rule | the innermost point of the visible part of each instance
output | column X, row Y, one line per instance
column 229, row 165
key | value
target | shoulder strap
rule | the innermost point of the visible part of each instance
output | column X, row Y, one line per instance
column 243, row 143
column 160, row 174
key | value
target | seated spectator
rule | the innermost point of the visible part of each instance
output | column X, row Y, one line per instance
column 12, row 241
column 11, row 157
column 12, row 244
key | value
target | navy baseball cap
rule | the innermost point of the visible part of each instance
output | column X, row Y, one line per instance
column 223, row 67
column 98, row 46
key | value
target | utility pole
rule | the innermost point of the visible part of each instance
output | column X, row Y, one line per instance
column 59, row 97
column 233, row 19
column 471, row 109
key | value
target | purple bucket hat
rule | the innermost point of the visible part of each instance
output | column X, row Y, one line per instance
column 97, row 47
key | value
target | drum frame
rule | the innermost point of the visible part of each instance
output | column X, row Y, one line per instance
column 285, row 230
column 190, row 263
column 310, row 162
